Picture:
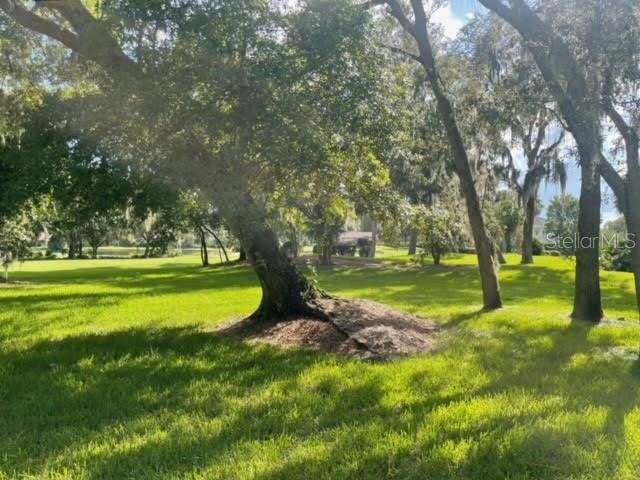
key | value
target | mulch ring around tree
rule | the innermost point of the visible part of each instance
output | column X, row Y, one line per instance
column 354, row 328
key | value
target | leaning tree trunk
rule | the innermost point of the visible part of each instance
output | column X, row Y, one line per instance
column 285, row 290
column 485, row 248
column 220, row 245
column 527, row 231
column 204, row 251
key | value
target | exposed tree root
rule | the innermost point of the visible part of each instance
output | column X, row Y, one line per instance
column 348, row 327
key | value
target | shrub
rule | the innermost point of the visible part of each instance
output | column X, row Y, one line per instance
column 617, row 258
column 538, row 247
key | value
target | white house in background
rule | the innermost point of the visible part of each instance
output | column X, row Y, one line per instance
column 538, row 229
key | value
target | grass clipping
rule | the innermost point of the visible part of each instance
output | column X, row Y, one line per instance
column 355, row 328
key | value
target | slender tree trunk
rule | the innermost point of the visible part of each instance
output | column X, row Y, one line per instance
column 204, row 251
column 94, row 251
column 374, row 238
column 220, row 245
column 501, row 259
column 485, row 248
column 527, row 230
column 508, row 244
column 413, row 242
column 242, row 255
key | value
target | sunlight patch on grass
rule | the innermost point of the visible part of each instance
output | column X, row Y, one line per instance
column 107, row 372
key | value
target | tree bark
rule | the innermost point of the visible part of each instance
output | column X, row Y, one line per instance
column 587, row 303
column 285, row 290
column 94, row 251
column 527, row 230
column 413, row 242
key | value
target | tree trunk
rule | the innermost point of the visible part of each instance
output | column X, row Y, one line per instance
column 242, row 255
column 633, row 226
column 285, row 290
column 436, row 257
column 204, row 251
column 527, row 230
column 374, row 238
column 501, row 259
column 587, row 300
column 413, row 242
column 631, row 213
column 485, row 248
column 220, row 245
column 508, row 244
column 94, row 251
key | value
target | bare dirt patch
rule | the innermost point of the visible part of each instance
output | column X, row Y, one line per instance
column 357, row 328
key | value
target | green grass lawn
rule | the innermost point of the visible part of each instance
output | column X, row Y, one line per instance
column 108, row 371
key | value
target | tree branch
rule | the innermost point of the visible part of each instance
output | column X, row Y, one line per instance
column 393, row 49
column 398, row 13
column 91, row 39
column 41, row 25
column 613, row 179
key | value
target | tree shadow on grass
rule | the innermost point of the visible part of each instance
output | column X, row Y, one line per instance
column 457, row 288
column 159, row 279
column 173, row 403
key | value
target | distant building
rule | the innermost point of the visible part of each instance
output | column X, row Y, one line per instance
column 348, row 237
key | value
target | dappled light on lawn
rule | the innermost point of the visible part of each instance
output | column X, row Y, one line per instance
column 110, row 370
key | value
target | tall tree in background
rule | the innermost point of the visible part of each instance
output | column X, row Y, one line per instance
column 520, row 107
column 577, row 75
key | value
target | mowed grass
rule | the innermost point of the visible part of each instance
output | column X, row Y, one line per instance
column 108, row 371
